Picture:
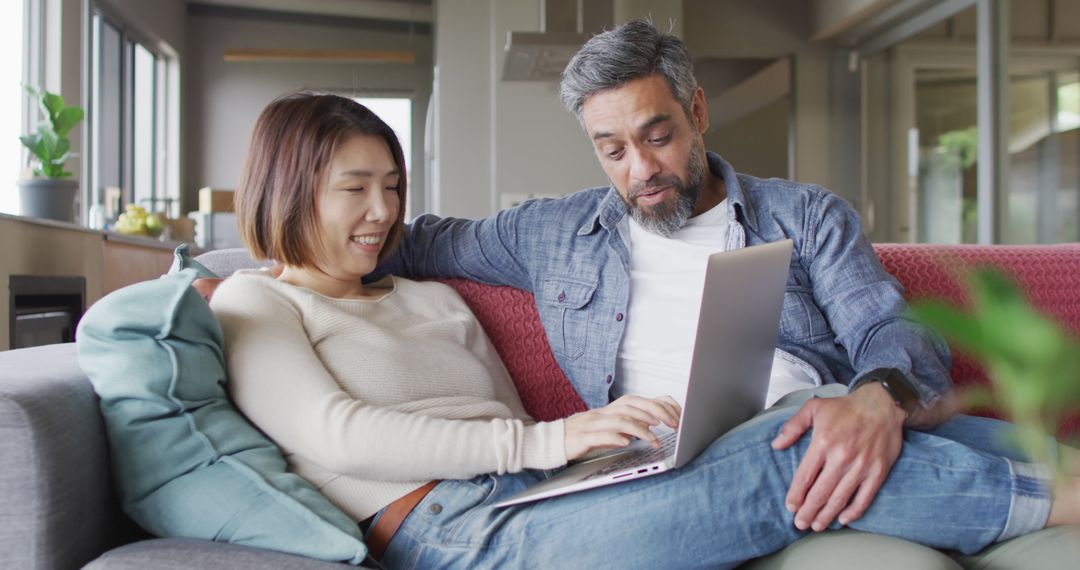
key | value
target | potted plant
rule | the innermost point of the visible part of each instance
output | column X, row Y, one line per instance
column 1032, row 361
column 50, row 193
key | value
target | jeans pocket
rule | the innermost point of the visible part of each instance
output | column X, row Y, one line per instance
column 457, row 526
column 451, row 509
column 566, row 313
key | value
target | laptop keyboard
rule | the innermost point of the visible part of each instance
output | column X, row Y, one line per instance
column 643, row 457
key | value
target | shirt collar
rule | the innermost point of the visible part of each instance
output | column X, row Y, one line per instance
column 611, row 209
column 739, row 204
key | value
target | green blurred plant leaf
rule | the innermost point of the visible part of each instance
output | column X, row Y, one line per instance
column 66, row 120
column 1032, row 362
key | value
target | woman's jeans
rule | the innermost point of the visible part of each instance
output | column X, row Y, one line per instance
column 957, row 487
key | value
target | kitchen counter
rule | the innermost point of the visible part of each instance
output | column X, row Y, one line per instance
column 106, row 260
column 141, row 241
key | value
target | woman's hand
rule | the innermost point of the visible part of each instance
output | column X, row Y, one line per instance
column 618, row 423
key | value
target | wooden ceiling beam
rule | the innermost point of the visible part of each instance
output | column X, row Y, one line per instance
column 326, row 55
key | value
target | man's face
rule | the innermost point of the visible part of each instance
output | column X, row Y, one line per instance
column 650, row 150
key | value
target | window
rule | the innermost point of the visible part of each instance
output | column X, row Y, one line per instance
column 129, row 127
column 12, row 29
column 1068, row 102
column 1042, row 204
column 922, row 137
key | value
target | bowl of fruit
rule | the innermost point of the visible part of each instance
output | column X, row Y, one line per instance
column 136, row 221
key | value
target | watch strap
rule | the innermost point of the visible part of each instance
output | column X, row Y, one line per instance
column 896, row 385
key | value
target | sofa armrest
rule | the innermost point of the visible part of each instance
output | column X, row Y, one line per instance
column 57, row 506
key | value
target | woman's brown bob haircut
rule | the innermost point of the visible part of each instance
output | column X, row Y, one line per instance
column 291, row 149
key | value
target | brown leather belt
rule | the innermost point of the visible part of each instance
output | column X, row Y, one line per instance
column 380, row 534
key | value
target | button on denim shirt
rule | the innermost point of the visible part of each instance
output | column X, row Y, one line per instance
column 843, row 314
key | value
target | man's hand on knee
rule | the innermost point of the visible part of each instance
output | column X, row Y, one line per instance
column 855, row 442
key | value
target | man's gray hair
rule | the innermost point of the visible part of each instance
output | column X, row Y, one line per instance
column 631, row 51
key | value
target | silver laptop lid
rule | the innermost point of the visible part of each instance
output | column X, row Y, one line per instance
column 736, row 338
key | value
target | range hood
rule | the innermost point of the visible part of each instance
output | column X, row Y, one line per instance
column 564, row 26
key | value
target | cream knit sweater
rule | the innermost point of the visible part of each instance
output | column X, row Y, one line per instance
column 370, row 399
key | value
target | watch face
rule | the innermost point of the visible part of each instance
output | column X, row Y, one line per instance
column 902, row 390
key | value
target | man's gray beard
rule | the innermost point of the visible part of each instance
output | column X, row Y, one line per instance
column 665, row 220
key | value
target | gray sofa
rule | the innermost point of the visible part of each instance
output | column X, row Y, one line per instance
column 58, row 509
column 57, row 506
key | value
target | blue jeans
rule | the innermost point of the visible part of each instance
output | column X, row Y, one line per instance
column 726, row 507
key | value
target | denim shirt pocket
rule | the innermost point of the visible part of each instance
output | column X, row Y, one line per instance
column 801, row 321
column 566, row 312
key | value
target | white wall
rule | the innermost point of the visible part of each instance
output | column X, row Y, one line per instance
column 756, row 143
column 462, row 144
column 539, row 146
column 772, row 29
column 496, row 137
column 223, row 99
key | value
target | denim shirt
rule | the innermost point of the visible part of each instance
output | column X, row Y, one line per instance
column 842, row 314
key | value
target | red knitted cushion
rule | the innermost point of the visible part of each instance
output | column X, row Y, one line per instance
column 510, row 318
column 1048, row 274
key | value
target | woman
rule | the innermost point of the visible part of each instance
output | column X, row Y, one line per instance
column 390, row 399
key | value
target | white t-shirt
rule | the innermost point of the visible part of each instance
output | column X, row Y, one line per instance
column 667, row 276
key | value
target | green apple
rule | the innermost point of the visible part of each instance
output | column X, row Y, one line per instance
column 154, row 224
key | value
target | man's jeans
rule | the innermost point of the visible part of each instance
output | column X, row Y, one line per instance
column 727, row 506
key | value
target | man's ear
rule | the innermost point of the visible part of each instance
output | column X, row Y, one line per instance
column 699, row 111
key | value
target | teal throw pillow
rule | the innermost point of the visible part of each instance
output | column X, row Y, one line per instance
column 185, row 461
column 182, row 260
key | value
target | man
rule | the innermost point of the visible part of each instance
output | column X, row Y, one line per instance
column 609, row 267
column 612, row 269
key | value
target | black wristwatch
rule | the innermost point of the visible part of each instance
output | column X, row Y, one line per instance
column 897, row 385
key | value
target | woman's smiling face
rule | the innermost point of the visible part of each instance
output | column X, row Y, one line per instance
column 356, row 205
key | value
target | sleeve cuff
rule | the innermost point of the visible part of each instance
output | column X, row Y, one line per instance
column 544, row 445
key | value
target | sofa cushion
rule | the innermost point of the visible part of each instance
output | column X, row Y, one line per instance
column 1048, row 275
column 848, row 549
column 185, row 462
column 510, row 319
column 180, row 554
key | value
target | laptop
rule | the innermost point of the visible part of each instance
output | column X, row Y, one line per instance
column 729, row 373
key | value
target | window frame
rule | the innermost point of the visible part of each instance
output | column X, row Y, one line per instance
column 893, row 179
column 33, row 70
column 163, row 194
